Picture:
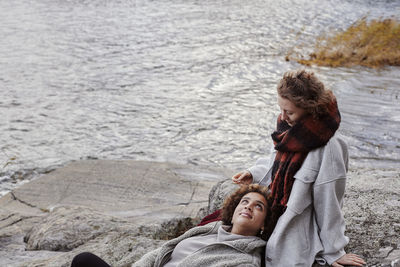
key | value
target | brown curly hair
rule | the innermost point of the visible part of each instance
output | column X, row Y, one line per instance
column 233, row 200
column 305, row 91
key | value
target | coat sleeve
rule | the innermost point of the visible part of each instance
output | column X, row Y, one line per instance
column 328, row 199
column 260, row 170
column 328, row 193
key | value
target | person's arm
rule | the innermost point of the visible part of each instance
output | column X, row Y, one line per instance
column 328, row 193
column 259, row 170
column 328, row 198
column 242, row 177
column 256, row 174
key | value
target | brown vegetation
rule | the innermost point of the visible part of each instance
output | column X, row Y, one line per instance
column 372, row 43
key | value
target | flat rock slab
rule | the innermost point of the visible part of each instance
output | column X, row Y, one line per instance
column 130, row 189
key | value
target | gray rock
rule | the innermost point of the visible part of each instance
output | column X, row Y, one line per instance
column 371, row 210
column 13, row 228
column 218, row 194
column 66, row 228
column 104, row 207
column 121, row 210
column 119, row 247
column 146, row 191
column 78, row 229
column 393, row 258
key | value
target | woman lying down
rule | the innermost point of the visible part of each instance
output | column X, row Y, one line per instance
column 238, row 240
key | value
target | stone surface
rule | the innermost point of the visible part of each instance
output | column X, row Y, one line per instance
column 119, row 247
column 371, row 210
column 120, row 243
column 393, row 258
column 218, row 194
column 66, row 228
column 121, row 210
column 131, row 192
column 140, row 190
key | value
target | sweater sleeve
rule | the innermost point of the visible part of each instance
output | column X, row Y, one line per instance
column 148, row 259
column 328, row 199
column 260, row 170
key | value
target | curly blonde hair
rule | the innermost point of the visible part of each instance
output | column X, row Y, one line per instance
column 305, row 91
column 233, row 200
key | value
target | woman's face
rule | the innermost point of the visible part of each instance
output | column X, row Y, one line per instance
column 249, row 215
column 289, row 111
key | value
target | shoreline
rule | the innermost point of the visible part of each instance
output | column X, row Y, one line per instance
column 28, row 175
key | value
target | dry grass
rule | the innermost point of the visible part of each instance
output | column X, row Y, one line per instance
column 374, row 43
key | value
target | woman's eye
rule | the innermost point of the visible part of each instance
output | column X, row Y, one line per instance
column 244, row 201
column 258, row 206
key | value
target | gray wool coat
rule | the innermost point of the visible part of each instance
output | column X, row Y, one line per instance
column 242, row 252
column 312, row 227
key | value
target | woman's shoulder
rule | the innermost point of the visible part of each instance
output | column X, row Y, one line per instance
column 210, row 228
column 325, row 163
column 336, row 146
column 336, row 152
column 337, row 142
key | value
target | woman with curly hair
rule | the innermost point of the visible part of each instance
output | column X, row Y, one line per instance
column 306, row 174
column 238, row 240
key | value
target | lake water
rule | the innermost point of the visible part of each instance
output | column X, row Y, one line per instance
column 185, row 81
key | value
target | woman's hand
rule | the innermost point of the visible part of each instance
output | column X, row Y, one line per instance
column 349, row 259
column 243, row 177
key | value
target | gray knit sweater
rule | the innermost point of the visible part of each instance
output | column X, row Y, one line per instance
column 241, row 252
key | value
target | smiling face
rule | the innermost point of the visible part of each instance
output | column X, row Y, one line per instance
column 248, row 218
column 289, row 111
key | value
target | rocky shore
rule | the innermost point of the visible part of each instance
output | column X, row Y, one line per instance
column 122, row 209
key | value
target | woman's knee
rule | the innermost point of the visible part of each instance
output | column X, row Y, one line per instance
column 87, row 259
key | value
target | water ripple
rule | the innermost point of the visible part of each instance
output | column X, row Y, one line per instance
column 184, row 81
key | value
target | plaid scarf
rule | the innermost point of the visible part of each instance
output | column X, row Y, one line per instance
column 292, row 145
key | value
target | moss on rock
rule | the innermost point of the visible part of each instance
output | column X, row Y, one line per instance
column 373, row 43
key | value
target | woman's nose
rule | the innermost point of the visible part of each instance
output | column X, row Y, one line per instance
column 248, row 207
column 283, row 115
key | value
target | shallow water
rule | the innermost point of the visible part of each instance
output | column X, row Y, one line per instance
column 182, row 81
